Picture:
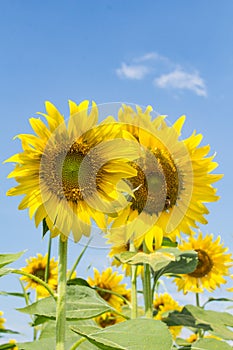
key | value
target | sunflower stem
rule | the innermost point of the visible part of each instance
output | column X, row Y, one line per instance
column 134, row 301
column 147, row 288
column 61, row 295
column 36, row 279
column 78, row 342
column 197, row 300
column 46, row 274
column 78, row 260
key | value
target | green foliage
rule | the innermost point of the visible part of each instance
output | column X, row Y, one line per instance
column 6, row 259
column 210, row 344
column 82, row 303
column 135, row 334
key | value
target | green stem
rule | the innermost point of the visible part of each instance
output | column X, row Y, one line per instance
column 197, row 300
column 147, row 288
column 61, row 297
column 134, row 301
column 75, row 345
column 36, row 279
column 46, row 274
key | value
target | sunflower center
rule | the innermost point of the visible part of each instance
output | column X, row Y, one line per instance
column 105, row 295
column 61, row 171
column 40, row 273
column 204, row 265
column 157, row 187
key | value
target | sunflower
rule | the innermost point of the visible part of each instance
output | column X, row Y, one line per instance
column 12, row 341
column 72, row 173
column 172, row 184
column 110, row 281
column 36, row 266
column 108, row 319
column 213, row 264
column 2, row 321
column 163, row 304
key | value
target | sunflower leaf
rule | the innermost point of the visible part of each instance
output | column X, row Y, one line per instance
column 213, row 344
column 220, row 322
column 131, row 335
column 45, row 228
column 82, row 303
column 156, row 260
column 6, row 259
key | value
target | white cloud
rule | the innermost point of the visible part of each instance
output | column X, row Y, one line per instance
column 179, row 79
column 150, row 56
column 132, row 71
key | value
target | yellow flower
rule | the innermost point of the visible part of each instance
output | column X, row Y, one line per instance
column 194, row 337
column 230, row 289
column 108, row 319
column 71, row 174
column 36, row 266
column 163, row 304
column 172, row 184
column 2, row 321
column 111, row 281
column 213, row 264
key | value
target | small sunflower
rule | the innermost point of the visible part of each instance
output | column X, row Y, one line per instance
column 111, row 281
column 72, row 173
column 194, row 337
column 36, row 266
column 108, row 319
column 213, row 264
column 2, row 321
column 172, row 184
column 163, row 304
column 12, row 341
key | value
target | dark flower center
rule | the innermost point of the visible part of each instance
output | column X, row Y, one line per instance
column 204, row 265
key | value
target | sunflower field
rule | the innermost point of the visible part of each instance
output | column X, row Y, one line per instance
column 132, row 175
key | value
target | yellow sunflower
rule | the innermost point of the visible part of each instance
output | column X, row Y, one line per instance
column 36, row 266
column 72, row 173
column 172, row 184
column 109, row 280
column 194, row 337
column 108, row 319
column 163, row 304
column 12, row 341
column 2, row 321
column 213, row 264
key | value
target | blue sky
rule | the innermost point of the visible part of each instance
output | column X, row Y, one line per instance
column 174, row 55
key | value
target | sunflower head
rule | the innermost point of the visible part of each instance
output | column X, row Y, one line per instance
column 71, row 173
column 213, row 264
column 37, row 266
column 2, row 321
column 108, row 282
column 163, row 304
column 108, row 319
column 172, row 184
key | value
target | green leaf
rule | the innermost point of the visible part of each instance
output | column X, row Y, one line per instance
column 48, row 334
column 82, row 303
column 9, row 331
column 79, row 282
column 45, row 228
column 185, row 262
column 6, row 346
column 210, row 344
column 186, row 319
column 6, row 259
column 168, row 243
column 218, row 321
column 156, row 260
column 15, row 294
column 135, row 334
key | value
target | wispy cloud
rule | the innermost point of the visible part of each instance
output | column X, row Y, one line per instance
column 132, row 71
column 179, row 79
column 163, row 72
